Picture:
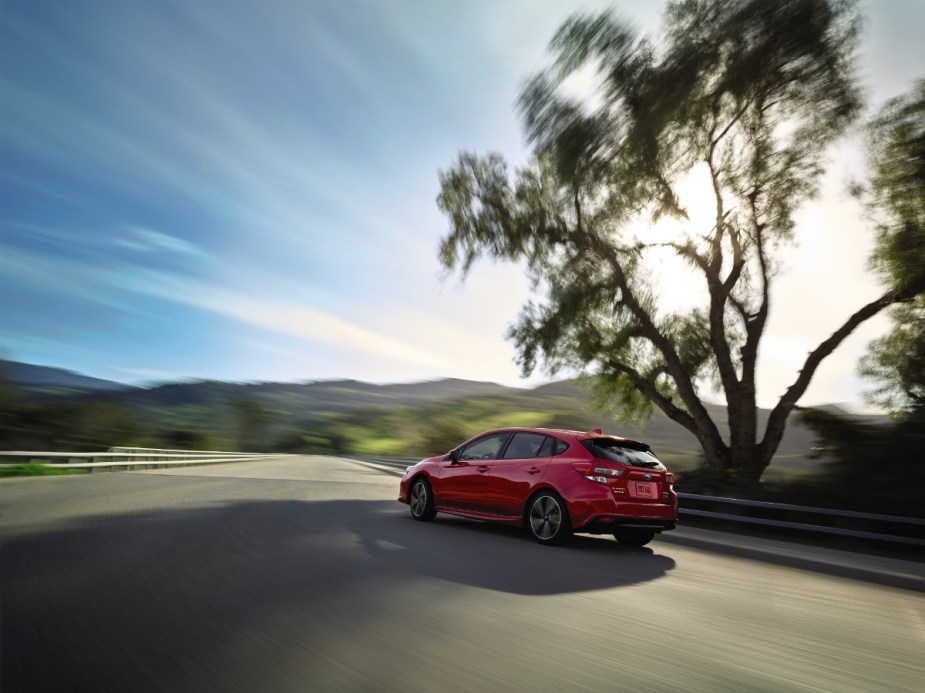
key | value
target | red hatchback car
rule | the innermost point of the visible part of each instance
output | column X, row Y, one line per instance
column 552, row 482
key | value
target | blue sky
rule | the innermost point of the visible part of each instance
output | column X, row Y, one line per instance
column 245, row 190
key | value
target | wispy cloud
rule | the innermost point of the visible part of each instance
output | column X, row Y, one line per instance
column 277, row 315
column 146, row 240
column 67, row 277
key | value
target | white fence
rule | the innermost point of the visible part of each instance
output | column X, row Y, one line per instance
column 127, row 459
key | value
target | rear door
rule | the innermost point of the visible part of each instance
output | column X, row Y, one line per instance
column 462, row 485
column 513, row 477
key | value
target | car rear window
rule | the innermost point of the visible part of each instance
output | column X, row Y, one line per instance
column 526, row 445
column 552, row 447
column 624, row 453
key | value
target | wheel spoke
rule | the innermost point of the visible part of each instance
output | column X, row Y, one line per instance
column 553, row 522
column 418, row 499
column 545, row 517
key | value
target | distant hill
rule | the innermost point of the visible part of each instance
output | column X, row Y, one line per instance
column 327, row 395
column 30, row 375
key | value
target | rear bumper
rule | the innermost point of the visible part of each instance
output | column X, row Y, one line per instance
column 609, row 524
column 604, row 514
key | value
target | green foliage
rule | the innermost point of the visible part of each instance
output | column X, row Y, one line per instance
column 385, row 447
column 441, row 434
column 617, row 397
column 528, row 419
column 66, row 425
column 895, row 363
column 32, row 469
column 186, row 439
column 868, row 467
column 250, row 420
column 711, row 481
column 897, row 153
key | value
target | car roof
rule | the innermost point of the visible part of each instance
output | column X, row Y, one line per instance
column 565, row 433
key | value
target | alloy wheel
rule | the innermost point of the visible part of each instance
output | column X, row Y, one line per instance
column 545, row 518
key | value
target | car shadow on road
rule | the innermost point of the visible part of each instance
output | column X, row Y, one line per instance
column 105, row 596
column 504, row 558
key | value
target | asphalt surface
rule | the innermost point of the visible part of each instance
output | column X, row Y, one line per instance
column 305, row 574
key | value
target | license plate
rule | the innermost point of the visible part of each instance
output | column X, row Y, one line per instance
column 644, row 489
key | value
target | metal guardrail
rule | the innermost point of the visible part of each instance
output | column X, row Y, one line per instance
column 800, row 519
column 396, row 462
column 806, row 519
column 129, row 459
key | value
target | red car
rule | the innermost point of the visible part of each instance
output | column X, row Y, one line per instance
column 552, row 482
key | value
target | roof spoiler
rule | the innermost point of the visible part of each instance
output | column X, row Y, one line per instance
column 628, row 442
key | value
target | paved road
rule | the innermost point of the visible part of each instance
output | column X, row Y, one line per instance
column 305, row 575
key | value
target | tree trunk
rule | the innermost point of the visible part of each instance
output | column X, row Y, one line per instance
column 715, row 452
column 743, row 424
column 753, row 467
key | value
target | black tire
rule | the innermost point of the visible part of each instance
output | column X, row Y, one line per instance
column 634, row 537
column 421, row 500
column 547, row 518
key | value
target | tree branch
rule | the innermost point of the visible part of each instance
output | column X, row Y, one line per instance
column 647, row 387
column 754, row 328
column 577, row 211
column 778, row 417
column 683, row 249
column 735, row 119
column 741, row 309
column 704, row 424
column 738, row 262
column 719, row 291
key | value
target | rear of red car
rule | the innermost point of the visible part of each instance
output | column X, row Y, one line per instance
column 613, row 485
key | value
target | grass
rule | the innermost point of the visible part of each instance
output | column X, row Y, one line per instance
column 527, row 419
column 386, row 447
column 32, row 469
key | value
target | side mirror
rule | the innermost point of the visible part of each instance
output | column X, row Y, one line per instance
column 454, row 455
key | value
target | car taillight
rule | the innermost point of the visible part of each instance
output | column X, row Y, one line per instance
column 669, row 479
column 599, row 474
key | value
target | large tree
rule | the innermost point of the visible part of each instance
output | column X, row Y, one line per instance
column 749, row 93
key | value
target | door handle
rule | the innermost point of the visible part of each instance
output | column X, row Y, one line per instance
column 483, row 468
column 534, row 470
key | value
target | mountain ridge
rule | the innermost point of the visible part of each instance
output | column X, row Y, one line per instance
column 344, row 415
column 51, row 376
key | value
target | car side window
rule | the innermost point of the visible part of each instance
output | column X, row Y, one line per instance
column 561, row 446
column 546, row 449
column 524, row 446
column 486, row 448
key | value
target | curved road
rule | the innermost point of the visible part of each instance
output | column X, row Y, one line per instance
column 304, row 574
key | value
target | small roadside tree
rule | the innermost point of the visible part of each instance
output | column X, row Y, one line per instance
column 749, row 92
